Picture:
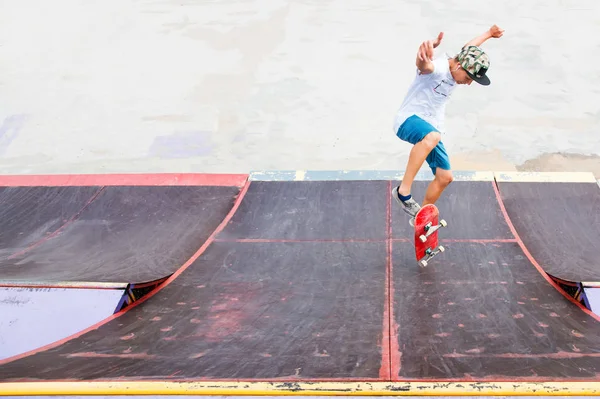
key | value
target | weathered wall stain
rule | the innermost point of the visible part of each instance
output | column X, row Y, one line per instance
column 182, row 145
column 10, row 129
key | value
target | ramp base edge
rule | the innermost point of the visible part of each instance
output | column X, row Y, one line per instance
column 293, row 388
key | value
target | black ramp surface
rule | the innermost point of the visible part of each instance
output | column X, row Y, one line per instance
column 559, row 224
column 308, row 302
column 312, row 310
column 258, row 309
column 127, row 234
column 482, row 310
column 31, row 214
column 470, row 208
column 341, row 210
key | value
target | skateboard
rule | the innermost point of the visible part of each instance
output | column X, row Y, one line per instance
column 426, row 233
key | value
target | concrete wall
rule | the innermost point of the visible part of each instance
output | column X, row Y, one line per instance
column 233, row 86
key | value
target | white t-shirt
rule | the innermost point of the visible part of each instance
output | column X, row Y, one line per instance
column 427, row 96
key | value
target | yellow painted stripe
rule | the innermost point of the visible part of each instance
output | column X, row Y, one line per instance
column 301, row 388
column 545, row 177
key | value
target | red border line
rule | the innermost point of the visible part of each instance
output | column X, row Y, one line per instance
column 390, row 355
column 478, row 241
column 129, row 179
column 532, row 259
column 465, row 240
column 316, row 240
column 365, row 240
column 168, row 281
column 385, row 369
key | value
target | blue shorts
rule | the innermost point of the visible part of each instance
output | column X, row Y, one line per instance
column 413, row 130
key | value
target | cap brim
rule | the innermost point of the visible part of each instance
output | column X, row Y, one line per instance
column 484, row 80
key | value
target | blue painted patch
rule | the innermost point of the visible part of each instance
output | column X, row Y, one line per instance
column 333, row 175
column 182, row 145
column 319, row 175
column 10, row 130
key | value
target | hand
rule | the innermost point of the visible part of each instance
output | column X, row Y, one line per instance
column 426, row 49
column 496, row 32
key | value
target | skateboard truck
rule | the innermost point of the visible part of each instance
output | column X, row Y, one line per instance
column 429, row 229
column 430, row 254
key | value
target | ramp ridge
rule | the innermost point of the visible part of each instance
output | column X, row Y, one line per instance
column 545, row 177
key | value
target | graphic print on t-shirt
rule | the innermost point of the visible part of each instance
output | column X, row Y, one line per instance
column 444, row 88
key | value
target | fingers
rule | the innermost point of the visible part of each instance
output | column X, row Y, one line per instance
column 438, row 40
column 422, row 52
column 426, row 51
column 426, row 48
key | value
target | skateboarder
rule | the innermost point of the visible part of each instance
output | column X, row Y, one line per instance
column 420, row 119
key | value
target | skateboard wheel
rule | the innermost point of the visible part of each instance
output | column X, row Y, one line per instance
column 423, row 263
column 423, row 238
column 443, row 223
column 442, row 249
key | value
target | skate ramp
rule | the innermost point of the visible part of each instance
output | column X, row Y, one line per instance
column 558, row 219
column 311, row 287
column 94, row 229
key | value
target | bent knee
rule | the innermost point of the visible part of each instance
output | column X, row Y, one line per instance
column 444, row 177
column 432, row 139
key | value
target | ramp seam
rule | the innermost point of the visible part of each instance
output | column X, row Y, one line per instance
column 386, row 372
column 360, row 240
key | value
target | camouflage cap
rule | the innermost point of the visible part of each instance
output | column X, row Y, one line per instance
column 476, row 62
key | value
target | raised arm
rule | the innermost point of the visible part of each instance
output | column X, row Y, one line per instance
column 494, row 31
column 425, row 54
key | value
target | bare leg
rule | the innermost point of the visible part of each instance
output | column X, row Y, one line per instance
column 417, row 156
column 442, row 179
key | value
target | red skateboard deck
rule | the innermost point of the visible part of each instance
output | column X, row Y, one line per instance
column 426, row 233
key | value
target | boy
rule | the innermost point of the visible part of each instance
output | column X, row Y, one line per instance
column 420, row 119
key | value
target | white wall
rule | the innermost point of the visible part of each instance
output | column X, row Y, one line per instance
column 234, row 86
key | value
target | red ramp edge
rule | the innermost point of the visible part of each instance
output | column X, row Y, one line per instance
column 532, row 259
column 128, row 179
column 168, row 281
